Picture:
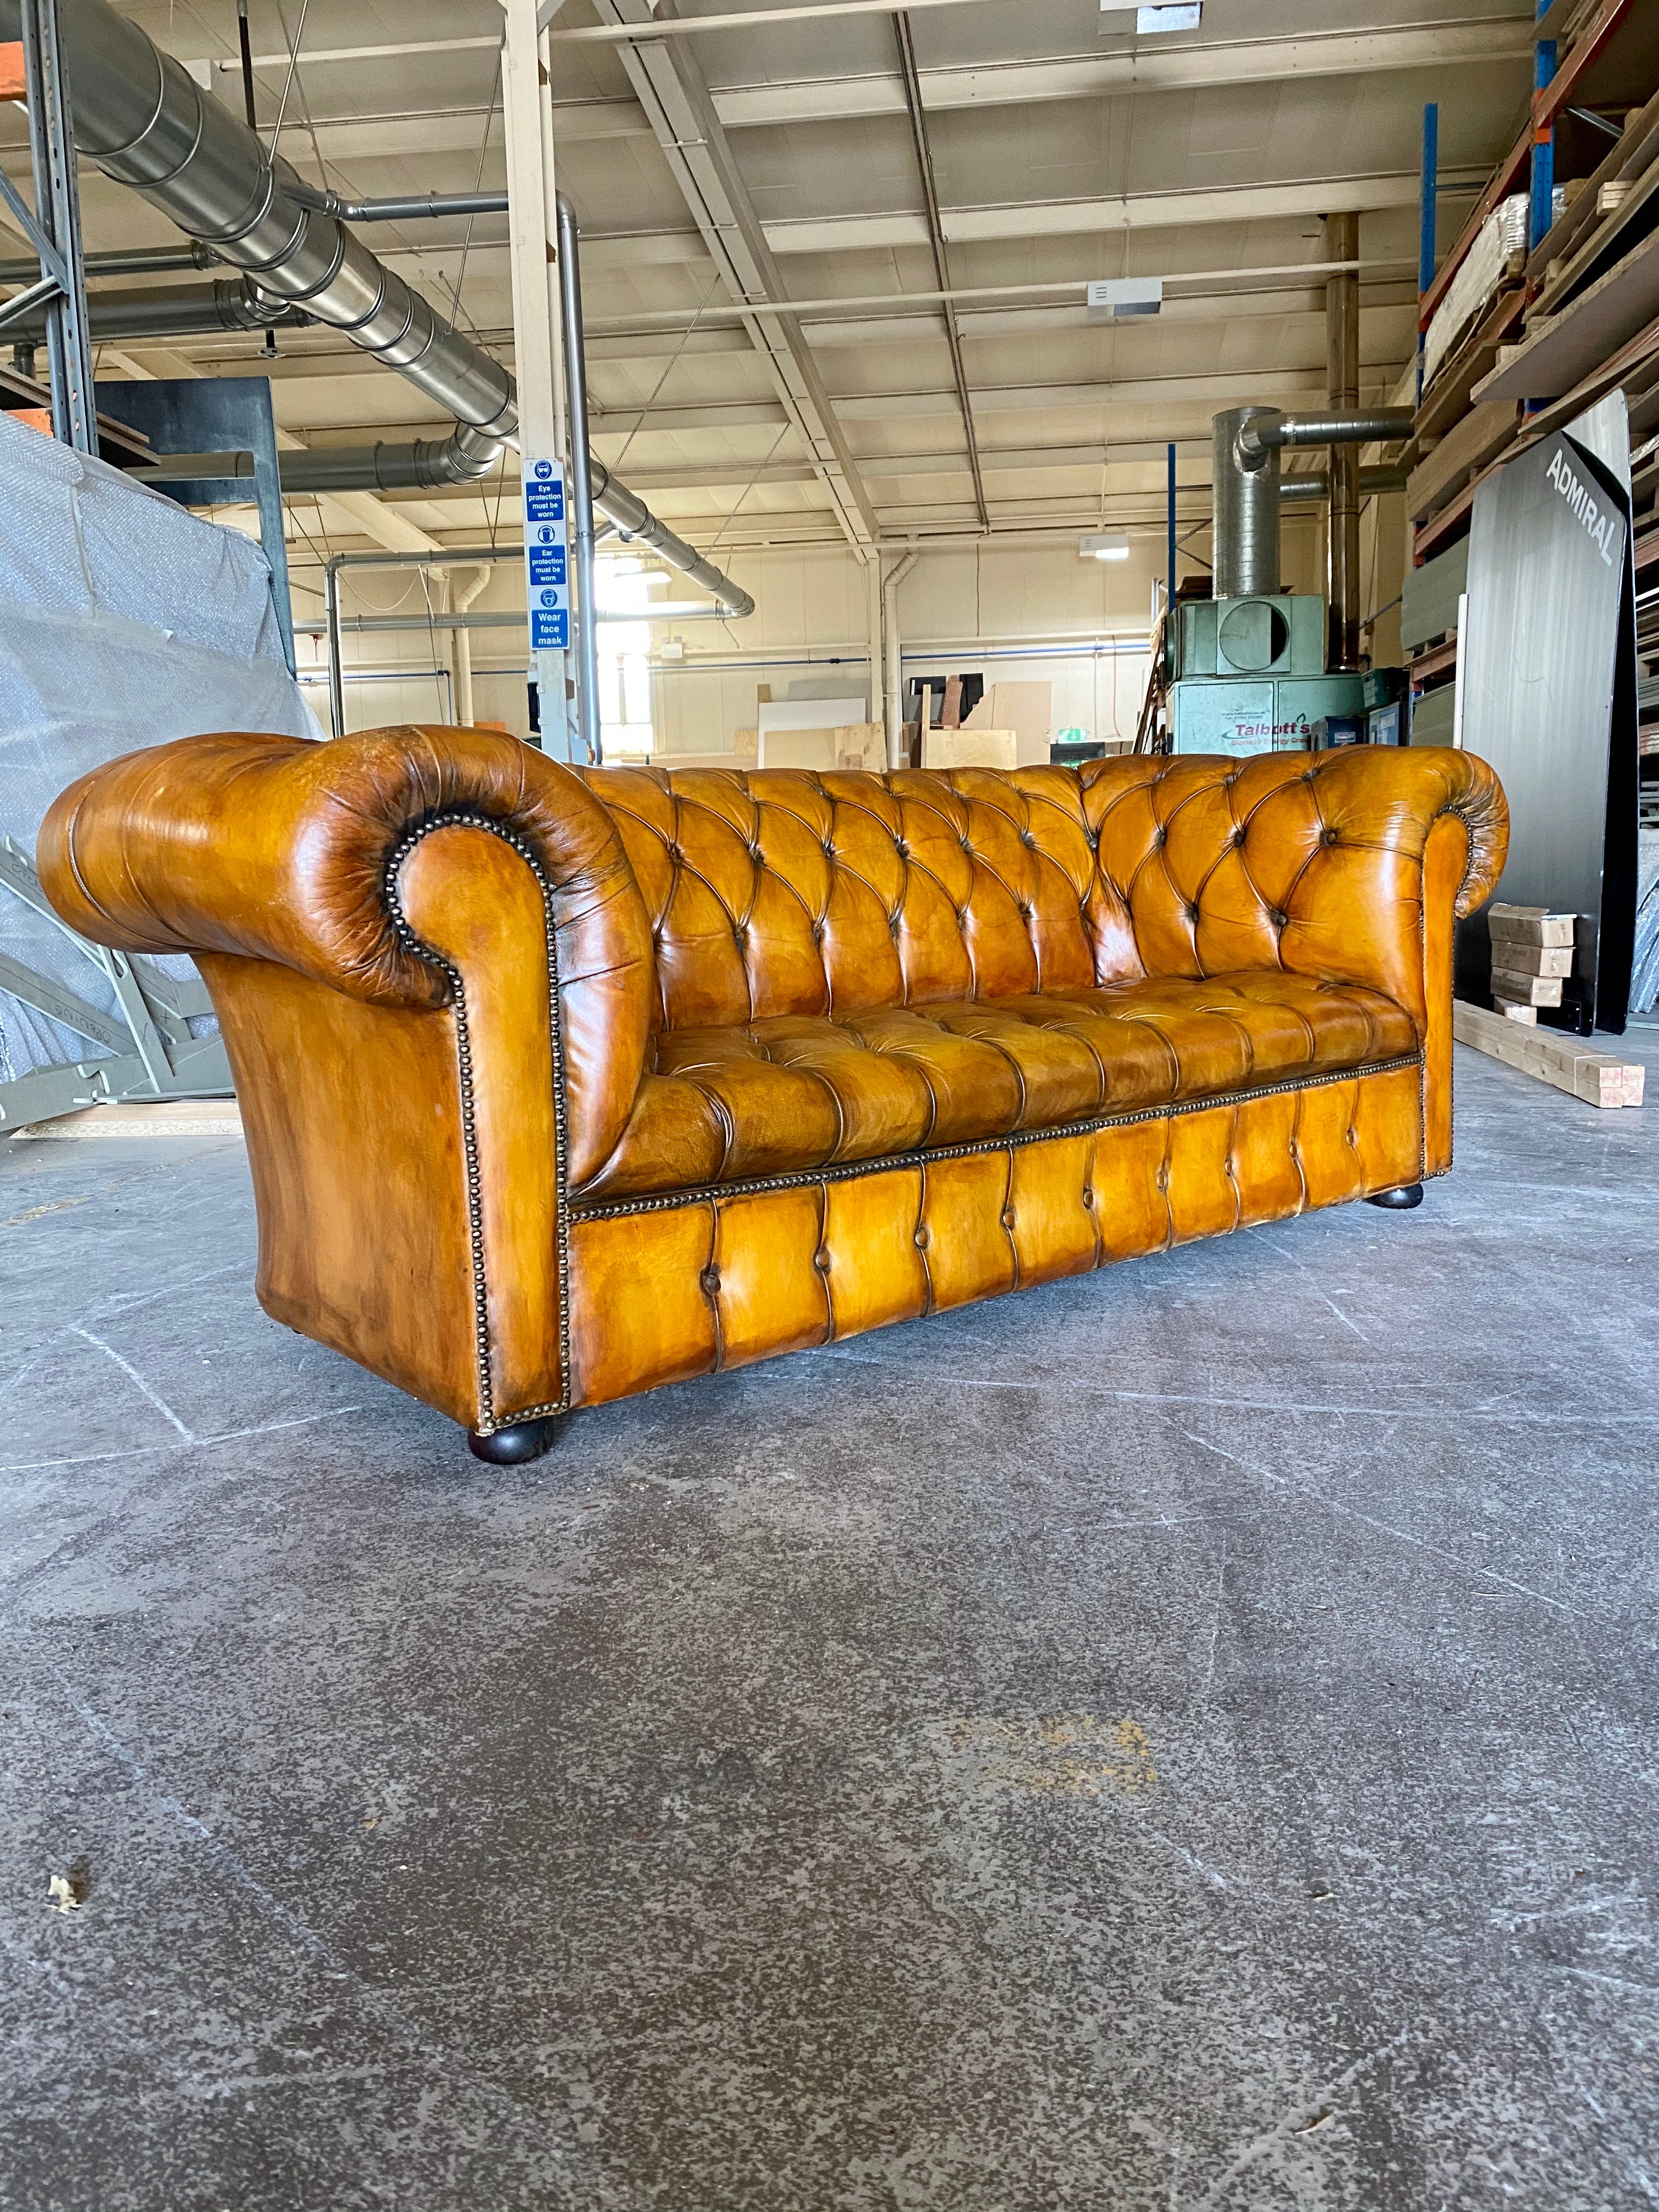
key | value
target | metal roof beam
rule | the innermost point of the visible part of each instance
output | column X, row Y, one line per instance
column 1151, row 68
column 669, row 84
column 907, row 53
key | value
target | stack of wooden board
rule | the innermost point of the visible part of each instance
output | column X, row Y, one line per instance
column 1581, row 318
column 1531, row 954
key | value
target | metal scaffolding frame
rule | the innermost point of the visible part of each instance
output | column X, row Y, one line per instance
column 52, row 228
column 149, row 1053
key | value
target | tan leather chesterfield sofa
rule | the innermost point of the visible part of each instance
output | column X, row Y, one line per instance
column 557, row 1087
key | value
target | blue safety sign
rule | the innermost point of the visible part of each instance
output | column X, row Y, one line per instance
column 543, row 492
column 546, row 565
column 546, row 556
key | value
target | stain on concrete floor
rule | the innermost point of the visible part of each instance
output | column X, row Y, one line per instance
column 1182, row 1739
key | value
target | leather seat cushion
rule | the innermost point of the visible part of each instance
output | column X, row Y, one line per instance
column 798, row 1092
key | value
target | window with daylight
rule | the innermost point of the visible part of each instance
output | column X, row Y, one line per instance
column 623, row 587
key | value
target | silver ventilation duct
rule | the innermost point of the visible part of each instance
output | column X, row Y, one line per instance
column 1315, row 485
column 146, row 122
column 1267, row 428
column 1246, row 549
column 171, row 311
column 1245, row 446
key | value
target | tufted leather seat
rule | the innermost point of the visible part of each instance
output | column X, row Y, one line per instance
column 558, row 1087
column 793, row 1092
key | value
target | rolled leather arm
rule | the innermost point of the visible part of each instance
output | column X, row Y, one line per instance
column 1313, row 861
column 1365, row 834
column 285, row 850
column 1399, row 792
column 1475, row 796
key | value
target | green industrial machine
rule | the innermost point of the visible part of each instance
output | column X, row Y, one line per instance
column 1248, row 676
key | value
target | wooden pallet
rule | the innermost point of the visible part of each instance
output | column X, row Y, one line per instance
column 1554, row 1058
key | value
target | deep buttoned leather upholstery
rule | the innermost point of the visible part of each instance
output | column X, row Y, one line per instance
column 558, row 1087
column 806, row 1090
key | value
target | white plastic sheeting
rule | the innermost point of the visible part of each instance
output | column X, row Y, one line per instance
column 1644, row 968
column 124, row 621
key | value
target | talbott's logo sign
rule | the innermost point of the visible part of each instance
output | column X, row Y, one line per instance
column 1579, row 498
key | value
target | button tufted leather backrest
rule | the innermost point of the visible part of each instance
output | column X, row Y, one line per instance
column 792, row 892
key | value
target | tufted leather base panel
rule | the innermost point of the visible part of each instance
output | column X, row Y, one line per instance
column 779, row 1095
column 713, row 1278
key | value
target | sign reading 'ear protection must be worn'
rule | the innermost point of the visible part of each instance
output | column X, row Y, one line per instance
column 546, row 553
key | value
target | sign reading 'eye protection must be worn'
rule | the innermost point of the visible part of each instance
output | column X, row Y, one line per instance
column 546, row 552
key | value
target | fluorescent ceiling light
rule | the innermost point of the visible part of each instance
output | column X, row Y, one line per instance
column 1104, row 546
column 1110, row 297
column 1116, row 20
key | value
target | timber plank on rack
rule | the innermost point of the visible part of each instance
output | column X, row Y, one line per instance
column 1547, row 105
column 1559, row 351
column 1632, row 366
column 1566, row 273
column 1447, row 399
column 1427, row 665
column 1462, row 453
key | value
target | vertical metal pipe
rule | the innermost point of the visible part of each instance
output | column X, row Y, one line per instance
column 587, row 639
column 1246, row 533
column 57, row 204
column 896, row 756
column 1428, row 213
column 335, row 673
column 1169, row 570
column 1541, row 213
column 1342, row 380
column 249, row 109
column 461, row 597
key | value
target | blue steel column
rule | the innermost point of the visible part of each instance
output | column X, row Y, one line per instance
column 1426, row 235
column 1543, row 150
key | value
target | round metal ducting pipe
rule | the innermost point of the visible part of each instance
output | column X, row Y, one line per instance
column 146, row 122
column 1245, row 446
column 1246, row 537
column 172, row 311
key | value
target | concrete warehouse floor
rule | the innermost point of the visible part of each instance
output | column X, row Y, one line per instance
column 1185, row 1738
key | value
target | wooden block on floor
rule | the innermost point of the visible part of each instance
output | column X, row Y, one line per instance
column 1565, row 1062
column 143, row 1117
column 1516, row 958
column 1530, row 925
column 1610, row 1083
column 1513, row 1013
column 1523, row 990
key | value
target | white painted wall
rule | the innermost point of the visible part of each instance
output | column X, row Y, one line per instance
column 1031, row 612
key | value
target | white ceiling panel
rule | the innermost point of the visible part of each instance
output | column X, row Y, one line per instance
column 1059, row 154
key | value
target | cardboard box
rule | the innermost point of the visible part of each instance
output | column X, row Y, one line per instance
column 848, row 744
column 972, row 747
column 1027, row 709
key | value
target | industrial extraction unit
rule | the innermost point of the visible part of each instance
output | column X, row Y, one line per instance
column 1254, row 668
